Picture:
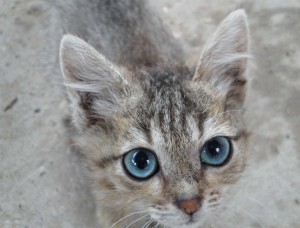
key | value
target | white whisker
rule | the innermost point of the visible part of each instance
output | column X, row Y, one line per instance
column 136, row 220
column 238, row 210
column 137, row 212
column 257, row 202
column 264, row 207
column 147, row 223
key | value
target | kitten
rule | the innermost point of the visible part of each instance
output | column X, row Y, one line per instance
column 162, row 143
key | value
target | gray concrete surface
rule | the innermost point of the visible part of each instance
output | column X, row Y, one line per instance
column 41, row 183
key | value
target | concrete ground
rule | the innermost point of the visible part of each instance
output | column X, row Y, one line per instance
column 41, row 184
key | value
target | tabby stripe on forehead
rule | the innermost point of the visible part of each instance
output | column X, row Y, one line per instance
column 106, row 161
column 195, row 109
column 171, row 115
column 201, row 117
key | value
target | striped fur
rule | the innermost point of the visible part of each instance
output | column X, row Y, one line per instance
column 168, row 109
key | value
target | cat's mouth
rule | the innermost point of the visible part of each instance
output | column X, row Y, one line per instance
column 191, row 222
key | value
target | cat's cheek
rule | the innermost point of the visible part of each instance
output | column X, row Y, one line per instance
column 150, row 188
column 228, row 174
column 154, row 187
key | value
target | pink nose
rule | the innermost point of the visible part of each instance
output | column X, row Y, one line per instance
column 189, row 206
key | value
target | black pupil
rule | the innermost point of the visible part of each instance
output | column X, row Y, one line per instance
column 141, row 160
column 214, row 148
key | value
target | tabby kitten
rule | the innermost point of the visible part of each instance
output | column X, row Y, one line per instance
column 162, row 143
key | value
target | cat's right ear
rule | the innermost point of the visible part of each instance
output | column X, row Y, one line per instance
column 94, row 84
column 224, row 60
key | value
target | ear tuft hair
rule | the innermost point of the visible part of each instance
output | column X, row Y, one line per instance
column 93, row 83
column 224, row 59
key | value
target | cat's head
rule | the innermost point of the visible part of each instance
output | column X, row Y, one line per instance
column 165, row 140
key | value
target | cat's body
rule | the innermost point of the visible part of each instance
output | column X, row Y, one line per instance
column 125, row 32
column 137, row 107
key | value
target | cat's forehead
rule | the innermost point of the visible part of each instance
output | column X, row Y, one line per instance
column 170, row 98
column 172, row 111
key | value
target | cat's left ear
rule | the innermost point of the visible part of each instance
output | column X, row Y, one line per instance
column 95, row 85
column 224, row 59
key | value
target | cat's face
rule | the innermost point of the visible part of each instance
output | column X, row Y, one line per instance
column 165, row 141
column 172, row 151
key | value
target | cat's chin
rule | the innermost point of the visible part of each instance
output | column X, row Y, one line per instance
column 175, row 218
column 178, row 222
column 188, row 224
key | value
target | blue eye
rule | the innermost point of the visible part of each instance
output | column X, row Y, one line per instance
column 216, row 151
column 140, row 163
